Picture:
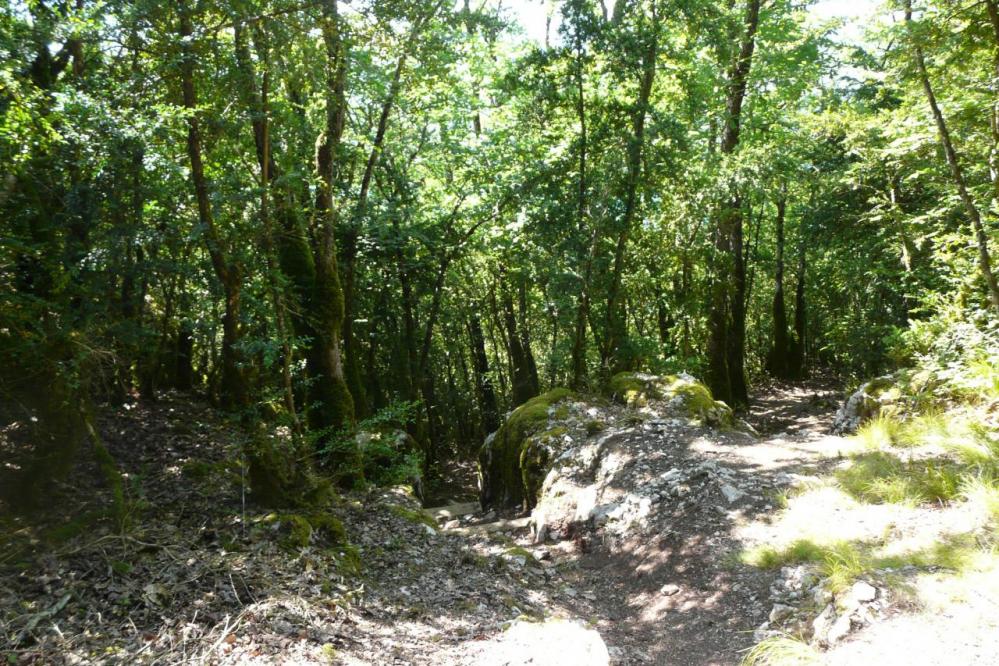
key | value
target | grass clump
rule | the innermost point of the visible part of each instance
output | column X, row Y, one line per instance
column 771, row 557
column 881, row 432
column 842, row 563
column 881, row 478
column 781, row 651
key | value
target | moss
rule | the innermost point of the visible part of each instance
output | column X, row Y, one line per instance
column 634, row 389
column 594, row 426
column 700, row 404
column 120, row 568
column 280, row 478
column 349, row 559
column 500, row 459
column 518, row 551
column 198, row 470
column 414, row 516
column 109, row 470
column 639, row 390
column 302, row 530
column 327, row 653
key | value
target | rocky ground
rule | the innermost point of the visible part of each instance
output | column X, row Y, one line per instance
column 650, row 574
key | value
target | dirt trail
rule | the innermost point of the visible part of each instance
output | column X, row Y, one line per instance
column 203, row 579
column 681, row 597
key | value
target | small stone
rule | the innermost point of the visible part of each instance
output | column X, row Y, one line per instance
column 780, row 612
column 862, row 591
column 839, row 630
column 669, row 589
column 452, row 524
column 731, row 493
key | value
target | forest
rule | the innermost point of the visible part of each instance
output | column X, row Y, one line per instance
column 266, row 265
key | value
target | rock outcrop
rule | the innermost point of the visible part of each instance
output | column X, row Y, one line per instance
column 865, row 403
column 589, row 462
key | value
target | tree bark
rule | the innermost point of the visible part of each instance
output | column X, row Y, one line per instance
column 726, row 321
column 336, row 403
column 956, row 170
column 233, row 391
column 613, row 358
column 778, row 362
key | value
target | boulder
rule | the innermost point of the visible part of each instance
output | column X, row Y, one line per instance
column 514, row 460
column 582, row 463
column 864, row 404
column 682, row 393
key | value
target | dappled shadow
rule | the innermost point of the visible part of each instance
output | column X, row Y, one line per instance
column 677, row 594
column 795, row 409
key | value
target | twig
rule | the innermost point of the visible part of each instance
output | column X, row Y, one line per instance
column 38, row 617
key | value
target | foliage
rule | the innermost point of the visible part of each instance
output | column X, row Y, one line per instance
column 311, row 213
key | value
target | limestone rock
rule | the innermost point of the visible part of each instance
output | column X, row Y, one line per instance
column 864, row 404
column 780, row 612
column 863, row 592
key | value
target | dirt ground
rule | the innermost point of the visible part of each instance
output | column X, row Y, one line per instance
column 201, row 576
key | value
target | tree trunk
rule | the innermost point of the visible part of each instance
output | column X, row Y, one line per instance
column 577, row 371
column 956, row 170
column 233, row 391
column 726, row 321
column 525, row 382
column 778, row 362
column 336, row 405
column 614, row 359
column 796, row 364
column 483, row 380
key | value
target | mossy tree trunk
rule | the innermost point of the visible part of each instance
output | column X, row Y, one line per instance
column 233, row 391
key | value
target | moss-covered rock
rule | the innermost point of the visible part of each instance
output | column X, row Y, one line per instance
column 681, row 392
column 417, row 516
column 513, row 461
column 300, row 530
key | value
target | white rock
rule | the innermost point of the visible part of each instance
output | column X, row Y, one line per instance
column 823, row 623
column 780, row 612
column 840, row 628
column 669, row 589
column 862, row 591
column 731, row 493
